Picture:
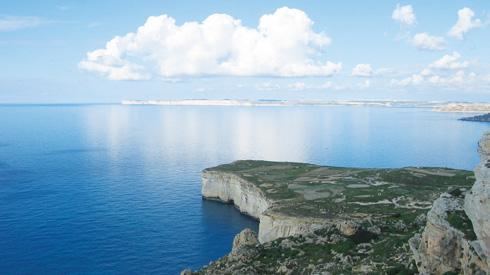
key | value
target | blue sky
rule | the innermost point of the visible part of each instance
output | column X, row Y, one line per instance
column 419, row 50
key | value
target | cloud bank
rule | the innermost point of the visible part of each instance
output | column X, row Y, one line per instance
column 448, row 71
column 283, row 44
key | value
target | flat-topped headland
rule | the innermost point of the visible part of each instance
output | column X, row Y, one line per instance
column 290, row 198
column 316, row 219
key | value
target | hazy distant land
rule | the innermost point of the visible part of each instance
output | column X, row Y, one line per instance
column 480, row 118
column 465, row 107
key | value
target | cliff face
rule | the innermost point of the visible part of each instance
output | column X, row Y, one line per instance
column 456, row 236
column 249, row 199
column 447, row 242
column 477, row 201
column 274, row 225
column 228, row 187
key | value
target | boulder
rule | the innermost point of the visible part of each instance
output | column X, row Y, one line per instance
column 246, row 238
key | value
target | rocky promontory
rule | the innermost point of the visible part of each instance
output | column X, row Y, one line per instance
column 333, row 220
column 479, row 118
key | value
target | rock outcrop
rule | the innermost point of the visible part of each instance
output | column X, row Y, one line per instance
column 446, row 244
column 477, row 201
column 456, row 236
column 275, row 225
column 244, row 239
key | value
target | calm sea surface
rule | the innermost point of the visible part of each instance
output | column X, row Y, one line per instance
column 109, row 189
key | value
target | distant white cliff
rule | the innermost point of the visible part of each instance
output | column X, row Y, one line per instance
column 464, row 108
column 434, row 105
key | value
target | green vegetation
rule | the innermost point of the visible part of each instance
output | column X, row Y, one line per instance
column 387, row 205
column 334, row 192
column 459, row 220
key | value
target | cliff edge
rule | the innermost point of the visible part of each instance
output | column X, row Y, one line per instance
column 456, row 236
column 316, row 219
column 477, row 202
column 250, row 199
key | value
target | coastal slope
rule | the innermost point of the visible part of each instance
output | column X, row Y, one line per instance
column 317, row 218
column 456, row 237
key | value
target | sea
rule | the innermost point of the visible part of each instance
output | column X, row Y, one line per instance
column 116, row 189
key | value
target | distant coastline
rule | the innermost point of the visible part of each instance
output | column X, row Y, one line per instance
column 463, row 107
column 480, row 118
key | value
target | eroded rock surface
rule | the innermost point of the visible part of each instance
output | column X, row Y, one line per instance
column 477, row 201
column 447, row 242
column 456, row 236
column 228, row 187
column 246, row 238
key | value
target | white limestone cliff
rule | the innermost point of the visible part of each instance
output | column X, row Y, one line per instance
column 249, row 199
column 230, row 188
column 274, row 225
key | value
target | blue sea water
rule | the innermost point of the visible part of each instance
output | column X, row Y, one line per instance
column 110, row 189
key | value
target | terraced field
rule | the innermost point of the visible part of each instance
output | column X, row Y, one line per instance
column 322, row 191
column 374, row 212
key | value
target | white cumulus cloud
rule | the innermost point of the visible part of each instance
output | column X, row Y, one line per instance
column 283, row 44
column 362, row 70
column 458, row 79
column 465, row 23
column 404, row 14
column 424, row 41
column 449, row 62
column 448, row 72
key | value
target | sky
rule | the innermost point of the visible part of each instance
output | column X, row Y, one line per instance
column 108, row 51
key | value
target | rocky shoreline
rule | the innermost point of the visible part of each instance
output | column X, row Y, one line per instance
column 327, row 220
column 479, row 118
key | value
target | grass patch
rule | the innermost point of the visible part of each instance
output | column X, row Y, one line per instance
column 459, row 220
